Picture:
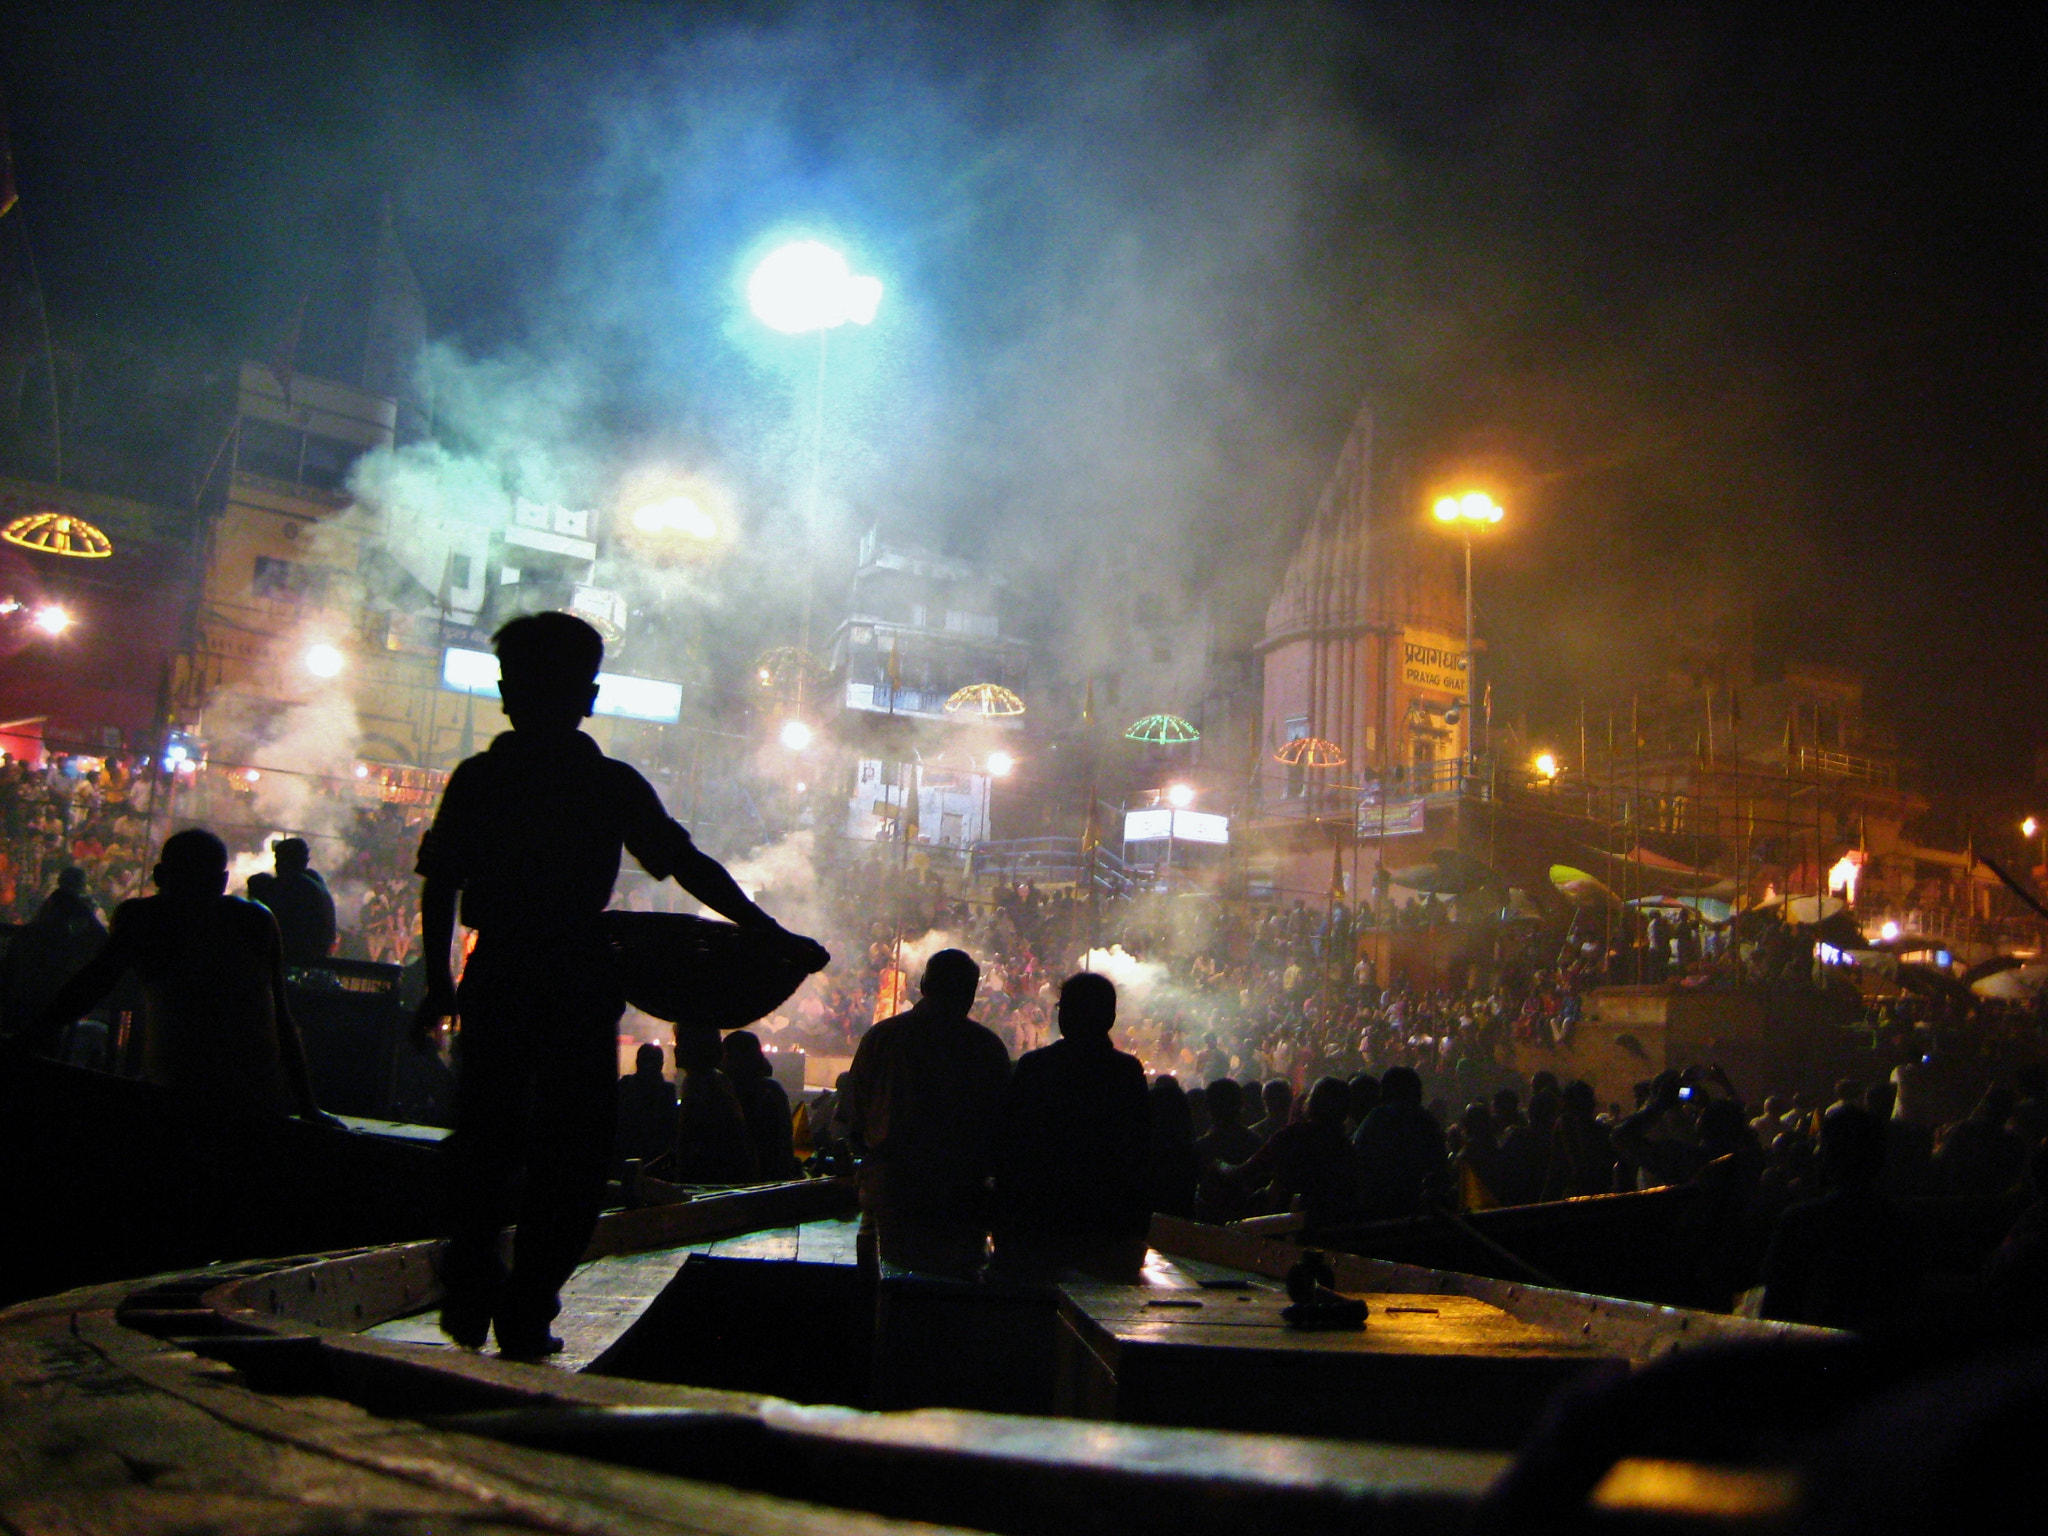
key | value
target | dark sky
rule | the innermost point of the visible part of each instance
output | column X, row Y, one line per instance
column 1740, row 312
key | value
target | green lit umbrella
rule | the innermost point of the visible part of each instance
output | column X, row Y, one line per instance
column 1577, row 885
column 1162, row 731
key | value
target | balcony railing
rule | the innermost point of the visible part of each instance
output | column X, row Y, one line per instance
column 1825, row 763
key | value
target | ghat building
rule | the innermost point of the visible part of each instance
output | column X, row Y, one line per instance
column 1366, row 731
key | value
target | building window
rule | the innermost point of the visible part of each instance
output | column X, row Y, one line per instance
column 327, row 463
column 279, row 580
column 266, row 448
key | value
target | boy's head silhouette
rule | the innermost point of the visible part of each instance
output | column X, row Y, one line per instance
column 194, row 863
column 547, row 670
column 290, row 853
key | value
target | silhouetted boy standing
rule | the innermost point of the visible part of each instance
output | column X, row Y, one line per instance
column 530, row 832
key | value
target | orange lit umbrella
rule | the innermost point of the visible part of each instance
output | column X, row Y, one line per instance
column 1311, row 752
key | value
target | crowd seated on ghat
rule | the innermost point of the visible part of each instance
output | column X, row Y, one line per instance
column 1805, row 1207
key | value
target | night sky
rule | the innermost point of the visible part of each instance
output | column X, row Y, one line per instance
column 1739, row 313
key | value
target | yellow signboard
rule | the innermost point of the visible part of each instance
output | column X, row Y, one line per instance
column 1433, row 662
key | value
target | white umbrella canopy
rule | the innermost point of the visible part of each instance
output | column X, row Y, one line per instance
column 2021, row 984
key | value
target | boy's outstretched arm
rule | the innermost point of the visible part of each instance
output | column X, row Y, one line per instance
column 708, row 880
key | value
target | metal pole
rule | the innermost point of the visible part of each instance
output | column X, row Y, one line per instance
column 1471, row 658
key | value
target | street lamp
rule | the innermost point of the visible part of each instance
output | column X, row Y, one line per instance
column 2030, row 829
column 797, row 288
column 1180, row 796
column 796, row 735
column 1473, row 509
column 324, row 661
column 1000, row 764
column 1546, row 765
column 807, row 286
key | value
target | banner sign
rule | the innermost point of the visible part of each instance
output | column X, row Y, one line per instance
column 1433, row 662
column 1188, row 826
column 1402, row 817
column 629, row 698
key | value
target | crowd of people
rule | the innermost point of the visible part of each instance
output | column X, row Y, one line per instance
column 89, row 814
column 1272, row 994
column 1800, row 1201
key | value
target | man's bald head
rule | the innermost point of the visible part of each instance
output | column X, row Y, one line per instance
column 950, row 979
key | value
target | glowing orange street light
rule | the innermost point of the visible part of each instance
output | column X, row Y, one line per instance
column 1473, row 509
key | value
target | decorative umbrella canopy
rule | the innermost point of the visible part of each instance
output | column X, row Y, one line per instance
column 1162, row 731
column 1449, row 873
column 986, row 699
column 2021, row 984
column 1808, row 910
column 1311, row 752
column 1577, row 885
column 58, row 533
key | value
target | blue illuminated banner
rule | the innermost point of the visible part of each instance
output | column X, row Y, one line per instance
column 626, row 698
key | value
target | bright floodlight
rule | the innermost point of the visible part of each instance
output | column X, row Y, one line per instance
column 52, row 619
column 1546, row 764
column 1180, row 796
column 323, row 660
column 2029, row 827
column 795, row 735
column 677, row 514
column 1472, row 507
column 1000, row 764
column 807, row 286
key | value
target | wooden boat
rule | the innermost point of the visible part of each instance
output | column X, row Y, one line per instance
column 122, row 1177
column 1609, row 1245
column 732, row 1368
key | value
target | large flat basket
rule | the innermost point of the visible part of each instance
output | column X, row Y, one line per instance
column 694, row 971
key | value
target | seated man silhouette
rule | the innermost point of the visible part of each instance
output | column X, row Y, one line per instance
column 300, row 901
column 48, row 950
column 711, row 1141
column 770, row 1125
column 1071, row 1149
column 215, row 1021
column 529, row 836
column 647, row 1108
column 920, row 1105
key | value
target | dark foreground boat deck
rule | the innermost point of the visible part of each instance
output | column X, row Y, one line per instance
column 304, row 1396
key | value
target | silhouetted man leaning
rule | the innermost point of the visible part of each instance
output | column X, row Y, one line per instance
column 529, row 834
column 921, row 1103
column 215, row 1019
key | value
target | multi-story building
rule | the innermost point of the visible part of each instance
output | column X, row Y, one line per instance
column 1363, row 660
column 919, row 628
column 353, row 607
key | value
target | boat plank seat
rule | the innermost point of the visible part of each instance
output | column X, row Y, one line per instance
column 610, row 1296
column 1439, row 1370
